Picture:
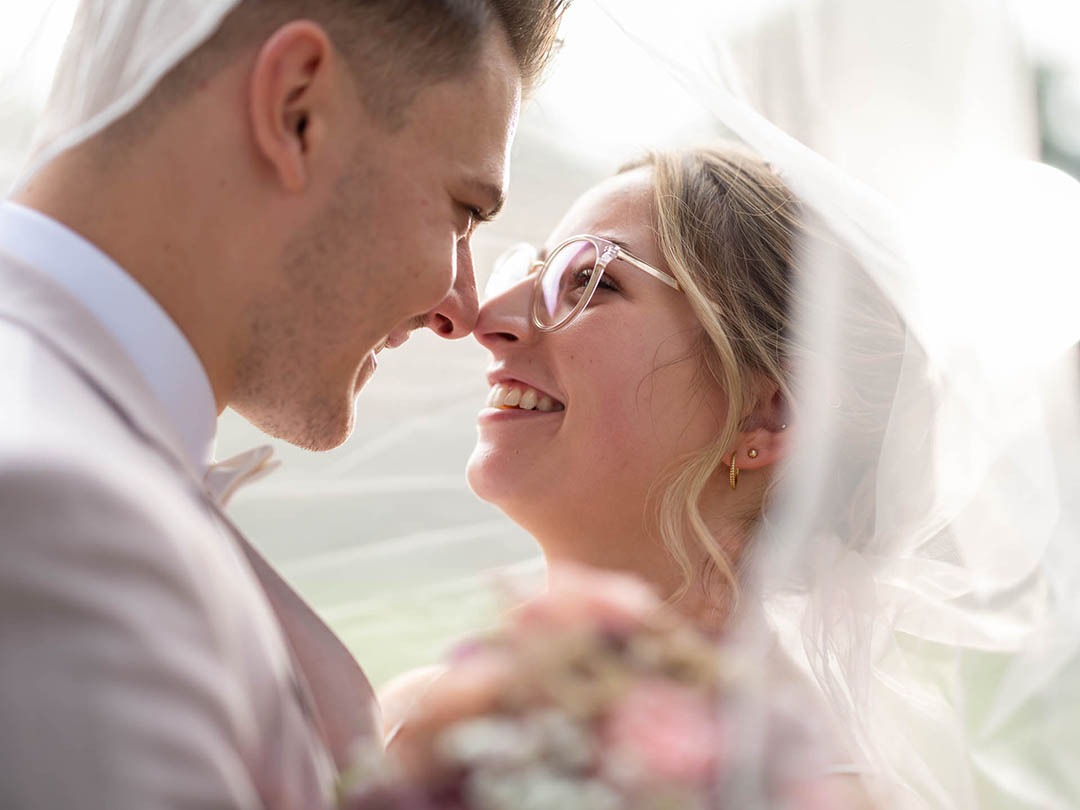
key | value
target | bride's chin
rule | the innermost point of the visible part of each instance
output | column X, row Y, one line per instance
column 489, row 480
column 478, row 477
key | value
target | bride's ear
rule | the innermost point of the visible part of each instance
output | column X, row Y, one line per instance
column 764, row 439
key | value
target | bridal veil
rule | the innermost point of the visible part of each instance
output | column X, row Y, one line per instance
column 114, row 55
column 919, row 561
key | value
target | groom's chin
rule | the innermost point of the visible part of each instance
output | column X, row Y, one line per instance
column 319, row 427
column 328, row 429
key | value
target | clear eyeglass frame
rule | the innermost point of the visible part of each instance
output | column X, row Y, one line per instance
column 520, row 261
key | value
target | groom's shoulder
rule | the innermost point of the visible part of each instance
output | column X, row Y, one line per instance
column 50, row 480
column 50, row 406
column 129, row 622
column 121, row 583
column 40, row 386
column 89, row 516
column 69, row 461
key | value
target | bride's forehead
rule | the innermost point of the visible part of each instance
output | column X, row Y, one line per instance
column 622, row 202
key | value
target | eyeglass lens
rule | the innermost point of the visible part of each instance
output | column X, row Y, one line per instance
column 564, row 281
column 509, row 269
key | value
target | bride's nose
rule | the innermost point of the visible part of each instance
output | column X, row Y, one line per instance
column 505, row 317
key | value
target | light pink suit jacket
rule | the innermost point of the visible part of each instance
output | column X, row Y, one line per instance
column 148, row 657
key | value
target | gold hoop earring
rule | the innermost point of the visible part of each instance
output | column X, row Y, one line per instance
column 733, row 473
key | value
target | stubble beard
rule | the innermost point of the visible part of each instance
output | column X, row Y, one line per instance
column 280, row 394
column 279, row 387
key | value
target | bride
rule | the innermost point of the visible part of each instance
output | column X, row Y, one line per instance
column 911, row 544
column 907, row 542
column 640, row 375
column 732, row 393
column 642, row 396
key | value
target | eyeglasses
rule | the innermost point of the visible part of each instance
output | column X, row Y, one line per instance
column 566, row 281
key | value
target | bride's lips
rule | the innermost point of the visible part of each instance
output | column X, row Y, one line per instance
column 512, row 394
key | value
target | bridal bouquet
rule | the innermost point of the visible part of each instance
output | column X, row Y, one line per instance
column 594, row 698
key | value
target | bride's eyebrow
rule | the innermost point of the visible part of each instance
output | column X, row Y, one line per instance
column 542, row 254
column 619, row 244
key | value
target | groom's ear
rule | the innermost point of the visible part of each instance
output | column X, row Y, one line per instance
column 296, row 94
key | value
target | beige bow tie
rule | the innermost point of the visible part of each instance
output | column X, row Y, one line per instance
column 224, row 478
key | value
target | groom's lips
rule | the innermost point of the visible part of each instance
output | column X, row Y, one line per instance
column 365, row 372
column 395, row 340
column 398, row 337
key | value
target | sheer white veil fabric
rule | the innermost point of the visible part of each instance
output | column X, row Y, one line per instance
column 115, row 54
column 919, row 557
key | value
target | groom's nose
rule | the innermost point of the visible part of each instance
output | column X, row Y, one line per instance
column 455, row 316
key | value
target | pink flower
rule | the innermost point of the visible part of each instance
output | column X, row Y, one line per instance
column 666, row 732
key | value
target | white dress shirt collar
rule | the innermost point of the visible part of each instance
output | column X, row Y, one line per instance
column 155, row 344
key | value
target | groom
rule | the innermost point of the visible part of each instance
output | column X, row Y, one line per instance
column 292, row 197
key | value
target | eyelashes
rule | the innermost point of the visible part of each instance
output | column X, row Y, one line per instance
column 473, row 218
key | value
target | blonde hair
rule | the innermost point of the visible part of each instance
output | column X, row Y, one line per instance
column 727, row 226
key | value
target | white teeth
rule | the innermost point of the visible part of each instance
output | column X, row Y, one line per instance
column 526, row 399
column 497, row 397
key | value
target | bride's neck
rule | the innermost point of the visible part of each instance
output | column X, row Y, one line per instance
column 708, row 605
column 709, row 600
column 711, row 612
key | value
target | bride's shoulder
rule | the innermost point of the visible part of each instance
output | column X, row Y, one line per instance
column 792, row 687
column 402, row 693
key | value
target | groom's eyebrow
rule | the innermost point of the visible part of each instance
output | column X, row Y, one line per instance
column 493, row 194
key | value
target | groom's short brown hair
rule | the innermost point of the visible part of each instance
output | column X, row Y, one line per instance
column 399, row 46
